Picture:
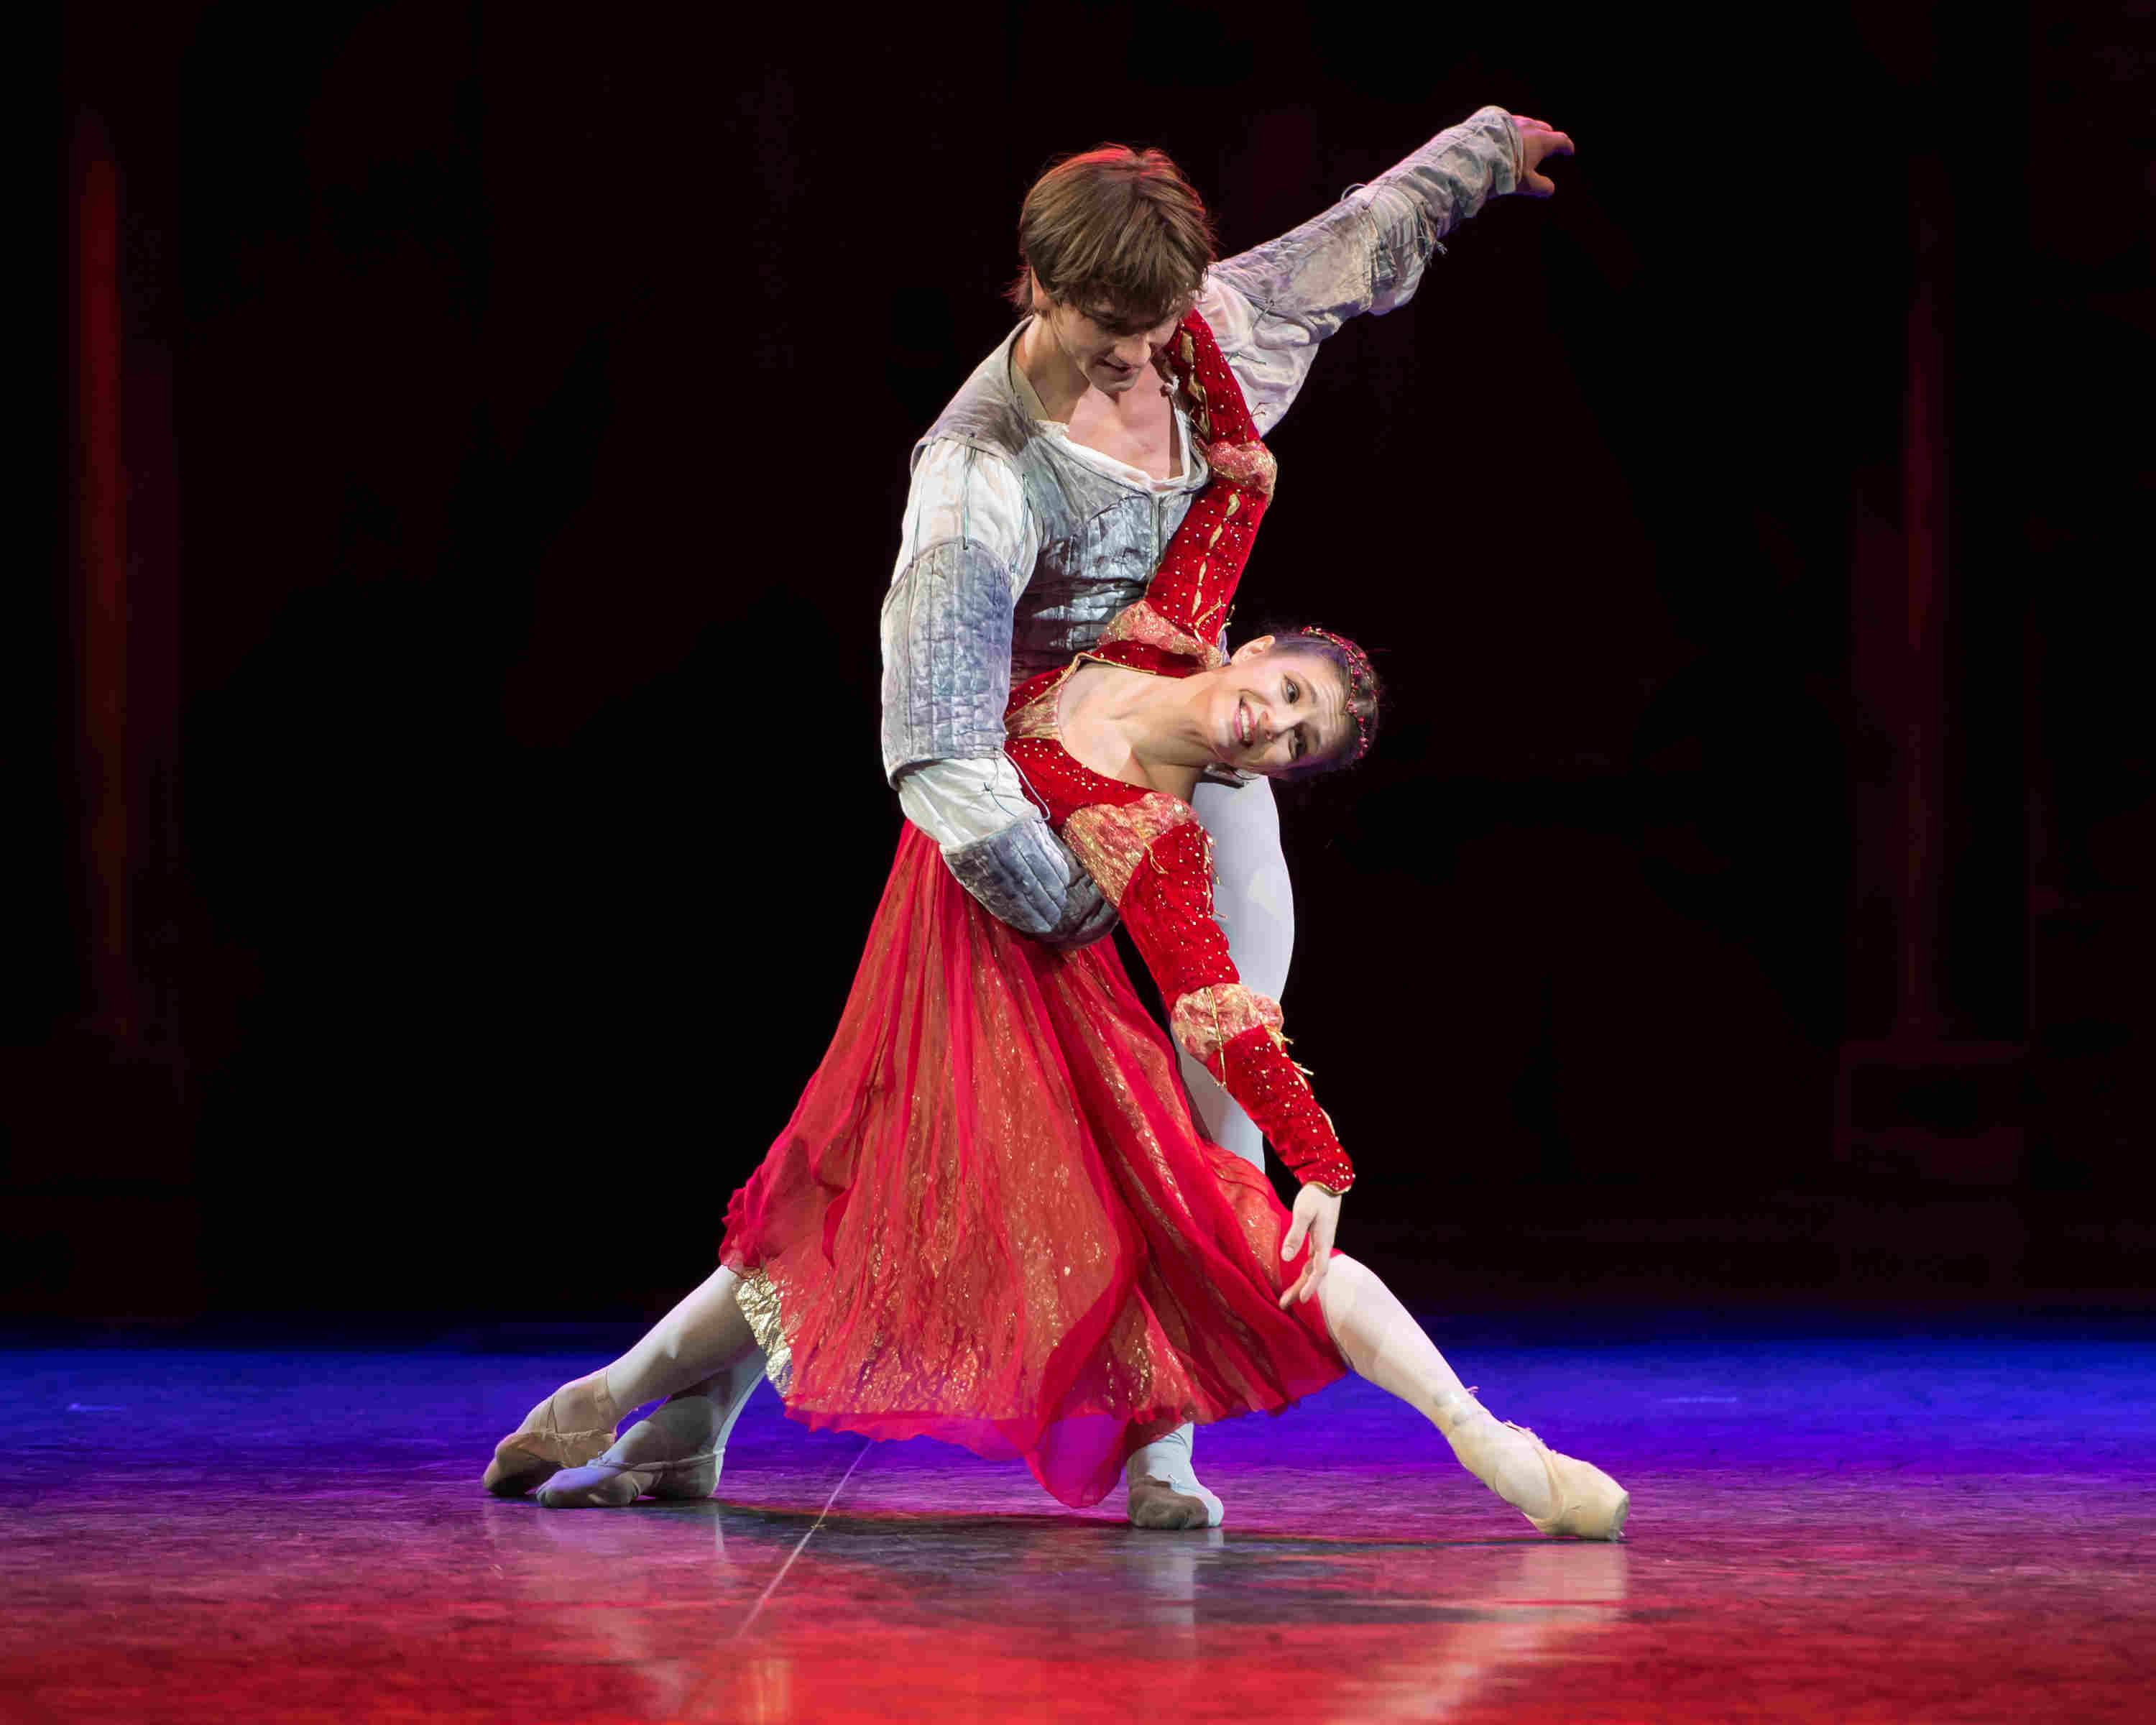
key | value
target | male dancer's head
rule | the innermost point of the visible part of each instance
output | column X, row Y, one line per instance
column 1115, row 245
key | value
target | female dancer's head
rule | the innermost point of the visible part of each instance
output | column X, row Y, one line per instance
column 1292, row 705
column 1115, row 245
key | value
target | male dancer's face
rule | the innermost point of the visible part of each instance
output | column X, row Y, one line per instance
column 1109, row 351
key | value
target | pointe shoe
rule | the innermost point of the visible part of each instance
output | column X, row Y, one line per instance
column 1590, row 1505
column 615, row 1484
column 573, row 1426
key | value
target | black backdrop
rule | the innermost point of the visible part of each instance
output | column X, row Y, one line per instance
column 518, row 402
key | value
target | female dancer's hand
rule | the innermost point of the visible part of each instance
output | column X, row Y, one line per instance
column 1316, row 1214
column 1537, row 142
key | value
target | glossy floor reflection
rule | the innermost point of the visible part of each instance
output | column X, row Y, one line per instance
column 1856, row 1531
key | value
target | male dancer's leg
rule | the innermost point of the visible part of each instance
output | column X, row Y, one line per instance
column 1255, row 908
column 702, row 1357
column 1254, row 905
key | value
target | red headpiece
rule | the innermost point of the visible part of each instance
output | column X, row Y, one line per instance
column 1362, row 680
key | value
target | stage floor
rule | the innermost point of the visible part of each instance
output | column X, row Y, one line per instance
column 1869, row 1529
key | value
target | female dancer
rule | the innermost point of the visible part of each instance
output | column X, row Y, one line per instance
column 991, row 1219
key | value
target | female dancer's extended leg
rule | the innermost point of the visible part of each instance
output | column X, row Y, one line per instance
column 704, row 1358
column 1377, row 1337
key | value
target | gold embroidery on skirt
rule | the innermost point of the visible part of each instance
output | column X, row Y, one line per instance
column 757, row 1296
column 1206, row 1020
column 1110, row 839
column 1142, row 623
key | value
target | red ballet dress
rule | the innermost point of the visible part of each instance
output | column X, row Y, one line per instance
column 993, row 1218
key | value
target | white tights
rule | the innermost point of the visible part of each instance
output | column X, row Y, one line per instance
column 1254, row 905
column 704, row 1349
column 703, row 1337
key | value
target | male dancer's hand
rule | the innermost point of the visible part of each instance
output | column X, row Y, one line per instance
column 1538, row 141
column 1316, row 1214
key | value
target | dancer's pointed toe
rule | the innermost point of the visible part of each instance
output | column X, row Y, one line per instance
column 573, row 1425
column 1590, row 1505
column 1603, row 1518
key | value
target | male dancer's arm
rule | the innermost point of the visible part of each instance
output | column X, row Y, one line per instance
column 966, row 552
column 1270, row 306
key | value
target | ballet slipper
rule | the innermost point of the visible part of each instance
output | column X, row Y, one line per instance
column 675, row 1455
column 573, row 1426
column 614, row 1485
column 1154, row 1502
column 1164, row 1489
column 1590, row 1505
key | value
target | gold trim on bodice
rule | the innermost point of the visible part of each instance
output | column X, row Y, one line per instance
column 1037, row 717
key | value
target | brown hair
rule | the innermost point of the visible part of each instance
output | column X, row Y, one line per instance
column 1114, row 229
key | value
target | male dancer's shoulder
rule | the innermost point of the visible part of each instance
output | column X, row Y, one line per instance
column 986, row 414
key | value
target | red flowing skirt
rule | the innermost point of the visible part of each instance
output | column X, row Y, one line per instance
column 992, row 1219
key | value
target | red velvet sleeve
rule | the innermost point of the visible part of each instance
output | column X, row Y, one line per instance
column 1186, row 603
column 1167, row 906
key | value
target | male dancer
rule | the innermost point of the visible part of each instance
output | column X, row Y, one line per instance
column 1042, row 499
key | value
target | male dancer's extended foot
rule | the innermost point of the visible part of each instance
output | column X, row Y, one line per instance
column 571, row 1426
column 1164, row 1491
column 674, row 1454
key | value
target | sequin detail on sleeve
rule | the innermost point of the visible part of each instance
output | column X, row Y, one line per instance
column 1168, row 907
column 1199, row 572
column 1205, row 1021
column 1255, row 1069
column 1111, row 839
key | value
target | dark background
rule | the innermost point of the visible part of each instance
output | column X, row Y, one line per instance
column 448, row 787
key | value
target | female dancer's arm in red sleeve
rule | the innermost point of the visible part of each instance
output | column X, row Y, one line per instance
column 1167, row 906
